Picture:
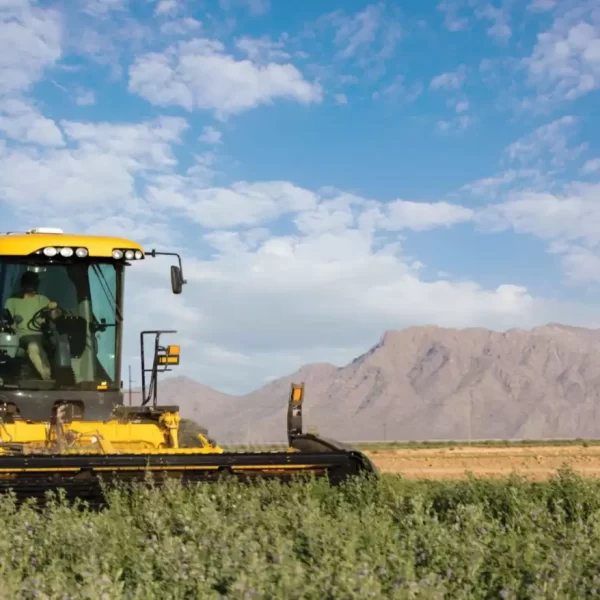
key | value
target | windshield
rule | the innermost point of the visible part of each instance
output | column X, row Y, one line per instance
column 60, row 325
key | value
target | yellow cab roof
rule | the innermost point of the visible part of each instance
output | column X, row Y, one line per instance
column 24, row 244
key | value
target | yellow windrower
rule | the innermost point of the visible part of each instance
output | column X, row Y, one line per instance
column 63, row 419
column 100, row 437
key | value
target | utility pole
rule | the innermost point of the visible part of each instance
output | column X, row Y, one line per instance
column 470, row 417
column 129, row 385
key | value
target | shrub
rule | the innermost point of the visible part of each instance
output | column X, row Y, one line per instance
column 389, row 539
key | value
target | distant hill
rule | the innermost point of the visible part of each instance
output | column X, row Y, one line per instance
column 424, row 383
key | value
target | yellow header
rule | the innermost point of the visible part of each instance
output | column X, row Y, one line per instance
column 24, row 244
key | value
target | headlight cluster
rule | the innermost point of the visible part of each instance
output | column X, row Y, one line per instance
column 118, row 254
column 65, row 252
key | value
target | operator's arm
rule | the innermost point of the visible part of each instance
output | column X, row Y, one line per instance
column 47, row 303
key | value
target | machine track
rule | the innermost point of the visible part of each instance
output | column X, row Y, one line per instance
column 80, row 476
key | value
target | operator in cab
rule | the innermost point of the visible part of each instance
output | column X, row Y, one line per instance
column 22, row 309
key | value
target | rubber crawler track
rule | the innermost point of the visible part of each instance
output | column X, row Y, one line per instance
column 79, row 476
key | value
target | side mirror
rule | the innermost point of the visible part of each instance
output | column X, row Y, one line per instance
column 176, row 280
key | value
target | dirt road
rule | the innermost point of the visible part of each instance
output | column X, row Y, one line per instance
column 537, row 463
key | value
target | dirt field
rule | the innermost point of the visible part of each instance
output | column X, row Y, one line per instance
column 536, row 463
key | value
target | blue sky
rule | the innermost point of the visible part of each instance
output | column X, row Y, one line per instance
column 328, row 173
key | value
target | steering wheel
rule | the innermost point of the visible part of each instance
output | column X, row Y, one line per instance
column 42, row 315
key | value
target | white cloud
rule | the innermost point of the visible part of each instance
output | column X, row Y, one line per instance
column 262, row 49
column 422, row 216
column 23, row 122
column 259, row 7
column 356, row 33
column 85, row 97
column 254, row 204
column 368, row 37
column 549, row 142
column 101, row 8
column 30, row 42
column 399, row 91
column 541, row 5
column 341, row 99
column 457, row 124
column 330, row 216
column 572, row 216
column 210, row 135
column 167, row 7
column 256, row 7
column 569, row 221
column 452, row 20
column 500, row 30
column 200, row 74
column 180, row 27
column 243, row 203
column 462, row 106
column 93, row 178
column 591, row 166
column 581, row 265
column 565, row 63
column 145, row 146
column 452, row 80
column 455, row 18
column 489, row 187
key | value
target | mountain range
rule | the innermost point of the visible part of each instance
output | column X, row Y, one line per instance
column 423, row 383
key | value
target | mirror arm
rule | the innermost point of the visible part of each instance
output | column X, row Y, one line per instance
column 153, row 253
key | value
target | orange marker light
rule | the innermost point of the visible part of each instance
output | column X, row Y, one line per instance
column 297, row 393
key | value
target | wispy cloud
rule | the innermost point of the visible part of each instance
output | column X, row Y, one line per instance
column 452, row 20
column 540, row 6
column 263, row 49
column 591, row 166
column 455, row 125
column 369, row 37
column 568, row 220
column 210, row 135
column 399, row 91
column 500, row 29
column 85, row 97
column 451, row 80
column 30, row 43
column 565, row 62
column 550, row 143
column 461, row 15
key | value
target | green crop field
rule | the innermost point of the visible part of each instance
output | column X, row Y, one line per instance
column 389, row 539
column 422, row 445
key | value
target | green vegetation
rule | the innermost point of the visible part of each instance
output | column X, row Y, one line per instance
column 422, row 445
column 390, row 539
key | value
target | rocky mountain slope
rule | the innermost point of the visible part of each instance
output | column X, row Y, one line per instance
column 425, row 383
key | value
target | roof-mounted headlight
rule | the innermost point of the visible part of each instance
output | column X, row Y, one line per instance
column 117, row 254
column 129, row 254
column 81, row 252
column 50, row 251
column 66, row 252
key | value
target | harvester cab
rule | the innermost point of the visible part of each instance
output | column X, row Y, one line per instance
column 63, row 420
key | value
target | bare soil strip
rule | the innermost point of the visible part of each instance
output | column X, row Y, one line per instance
column 536, row 463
